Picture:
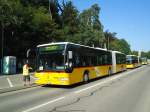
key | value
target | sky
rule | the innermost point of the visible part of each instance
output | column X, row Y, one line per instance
column 130, row 19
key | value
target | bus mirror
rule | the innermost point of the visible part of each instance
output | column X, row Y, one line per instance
column 69, row 67
column 70, row 54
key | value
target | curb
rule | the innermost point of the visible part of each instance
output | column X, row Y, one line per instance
column 6, row 90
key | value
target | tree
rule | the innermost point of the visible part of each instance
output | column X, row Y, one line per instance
column 148, row 54
column 134, row 53
column 120, row 45
column 109, row 38
column 70, row 21
column 27, row 23
column 89, row 21
column 7, row 20
column 143, row 54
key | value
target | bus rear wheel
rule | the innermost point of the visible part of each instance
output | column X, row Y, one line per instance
column 109, row 71
column 85, row 78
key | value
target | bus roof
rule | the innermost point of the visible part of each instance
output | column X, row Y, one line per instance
column 100, row 48
column 132, row 55
column 57, row 43
column 53, row 43
column 117, row 52
column 144, row 57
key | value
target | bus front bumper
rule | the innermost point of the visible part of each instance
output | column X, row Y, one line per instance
column 44, row 79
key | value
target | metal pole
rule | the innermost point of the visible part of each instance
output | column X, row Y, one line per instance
column 28, row 51
column 50, row 9
column 108, row 43
column 2, row 47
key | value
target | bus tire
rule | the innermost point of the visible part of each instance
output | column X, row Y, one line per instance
column 109, row 71
column 85, row 78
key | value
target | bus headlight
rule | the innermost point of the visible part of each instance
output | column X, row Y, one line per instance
column 36, row 78
column 64, row 79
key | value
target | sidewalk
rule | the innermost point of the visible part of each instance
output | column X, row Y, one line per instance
column 16, row 88
column 13, row 74
column 14, row 82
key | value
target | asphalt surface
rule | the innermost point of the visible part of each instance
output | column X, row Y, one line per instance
column 124, row 92
column 129, row 94
column 9, row 81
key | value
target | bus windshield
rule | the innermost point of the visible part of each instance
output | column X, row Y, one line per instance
column 51, row 58
column 131, row 59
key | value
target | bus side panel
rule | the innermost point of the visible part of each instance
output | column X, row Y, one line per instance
column 120, row 67
column 62, row 78
column 114, row 67
column 104, row 70
column 136, row 64
column 76, row 76
column 78, row 73
column 94, row 72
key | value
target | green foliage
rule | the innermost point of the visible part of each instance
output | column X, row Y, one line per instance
column 120, row 45
column 147, row 54
column 143, row 54
column 109, row 37
column 9, row 20
column 91, row 30
column 134, row 53
column 6, row 11
column 113, row 43
column 70, row 19
column 27, row 23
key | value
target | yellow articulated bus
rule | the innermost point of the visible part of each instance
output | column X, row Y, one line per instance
column 66, row 63
column 118, row 61
column 139, row 61
column 144, row 61
column 132, row 61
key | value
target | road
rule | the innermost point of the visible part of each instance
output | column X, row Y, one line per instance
column 123, row 92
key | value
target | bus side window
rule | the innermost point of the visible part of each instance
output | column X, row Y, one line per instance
column 83, row 61
column 104, row 59
column 89, row 61
column 77, row 60
column 94, row 60
column 109, row 59
column 100, row 60
column 74, row 61
column 102, row 56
